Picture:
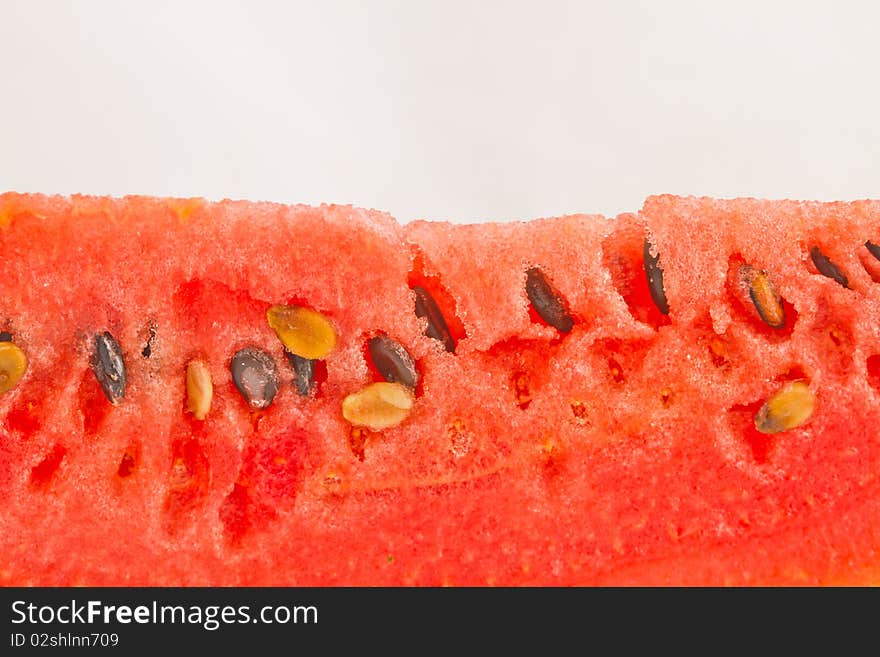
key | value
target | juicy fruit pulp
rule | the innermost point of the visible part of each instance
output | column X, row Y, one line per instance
column 249, row 393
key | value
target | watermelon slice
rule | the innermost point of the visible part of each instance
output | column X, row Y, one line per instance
column 240, row 393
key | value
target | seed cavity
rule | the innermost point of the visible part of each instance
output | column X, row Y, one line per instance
column 547, row 301
column 199, row 389
column 148, row 348
column 129, row 460
column 788, row 408
column 521, row 390
column 108, row 366
column 378, row 406
column 357, row 441
column 393, row 361
column 767, row 301
column 654, row 273
column 304, row 373
column 873, row 249
column 428, row 309
column 255, row 375
column 126, row 466
column 827, row 268
column 13, row 364
column 718, row 351
column 580, row 410
column 43, row 473
column 459, row 437
column 616, row 371
column 303, row 331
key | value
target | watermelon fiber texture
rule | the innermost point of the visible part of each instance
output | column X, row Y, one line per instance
column 243, row 393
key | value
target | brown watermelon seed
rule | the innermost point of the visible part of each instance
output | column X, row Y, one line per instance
column 873, row 249
column 654, row 273
column 5, row 336
column 255, row 375
column 788, row 408
column 304, row 373
column 428, row 309
column 767, row 301
column 547, row 301
column 393, row 361
column 828, row 268
column 108, row 365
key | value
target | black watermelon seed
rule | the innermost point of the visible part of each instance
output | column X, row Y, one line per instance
column 5, row 336
column 109, row 366
column 547, row 301
column 393, row 361
column 655, row 279
column 437, row 328
column 255, row 375
column 828, row 268
column 873, row 249
column 304, row 373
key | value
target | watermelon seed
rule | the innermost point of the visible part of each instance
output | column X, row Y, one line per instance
column 547, row 301
column 767, row 301
column 378, row 406
column 109, row 367
column 302, row 331
column 255, row 375
column 828, row 268
column 393, row 361
column 304, row 373
column 873, row 249
column 5, row 336
column 788, row 408
column 427, row 308
column 199, row 389
column 13, row 364
column 655, row 279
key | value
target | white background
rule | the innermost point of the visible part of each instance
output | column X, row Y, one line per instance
column 451, row 110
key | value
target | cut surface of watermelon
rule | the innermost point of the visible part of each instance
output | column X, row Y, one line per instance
column 241, row 393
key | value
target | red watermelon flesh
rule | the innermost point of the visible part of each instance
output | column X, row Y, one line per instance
column 623, row 451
